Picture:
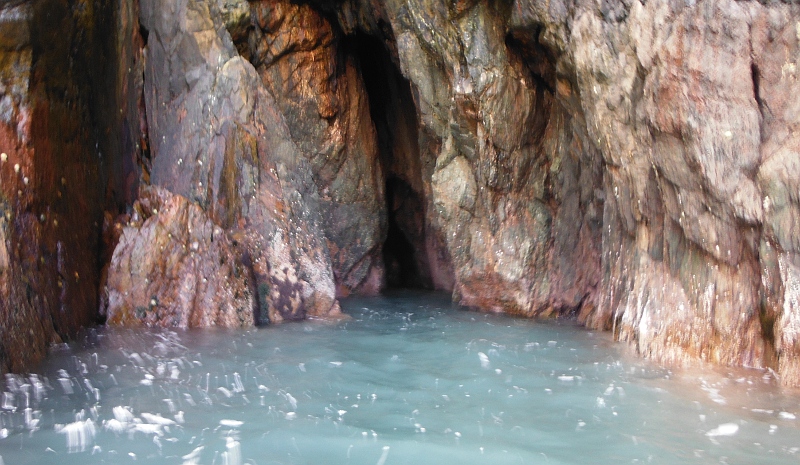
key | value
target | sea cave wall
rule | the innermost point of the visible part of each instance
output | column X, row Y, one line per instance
column 632, row 164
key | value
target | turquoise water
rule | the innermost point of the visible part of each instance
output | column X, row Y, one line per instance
column 408, row 379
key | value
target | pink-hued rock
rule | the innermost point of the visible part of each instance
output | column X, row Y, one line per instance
column 174, row 267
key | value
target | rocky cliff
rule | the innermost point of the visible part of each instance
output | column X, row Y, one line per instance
column 633, row 164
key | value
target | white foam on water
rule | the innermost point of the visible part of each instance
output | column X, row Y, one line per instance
column 384, row 456
column 725, row 429
column 156, row 419
column 233, row 452
column 231, row 423
column 79, row 434
column 122, row 414
column 484, row 360
column 115, row 426
column 193, row 457
column 292, row 401
column 66, row 385
column 147, row 429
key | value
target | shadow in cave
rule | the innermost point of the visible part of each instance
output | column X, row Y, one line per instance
column 394, row 115
column 399, row 256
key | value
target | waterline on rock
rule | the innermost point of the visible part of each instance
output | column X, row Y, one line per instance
column 408, row 379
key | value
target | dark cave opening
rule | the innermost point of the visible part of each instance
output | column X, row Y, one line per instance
column 394, row 115
column 401, row 267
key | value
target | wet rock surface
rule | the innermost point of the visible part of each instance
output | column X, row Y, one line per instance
column 620, row 162
column 173, row 266
column 55, row 64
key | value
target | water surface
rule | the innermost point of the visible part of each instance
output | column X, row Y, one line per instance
column 408, row 379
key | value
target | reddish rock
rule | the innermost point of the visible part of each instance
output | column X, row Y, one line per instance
column 318, row 88
column 174, row 267
column 54, row 61
column 633, row 163
column 219, row 139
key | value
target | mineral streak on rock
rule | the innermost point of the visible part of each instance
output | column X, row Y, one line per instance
column 55, row 57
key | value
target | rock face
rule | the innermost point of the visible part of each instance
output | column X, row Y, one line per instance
column 57, row 86
column 174, row 267
column 633, row 164
column 691, row 255
column 636, row 181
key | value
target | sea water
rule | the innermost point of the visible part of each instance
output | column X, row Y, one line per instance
column 406, row 379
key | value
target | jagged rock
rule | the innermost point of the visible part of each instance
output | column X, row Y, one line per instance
column 174, row 267
column 218, row 139
column 679, row 114
column 632, row 163
column 318, row 87
column 512, row 172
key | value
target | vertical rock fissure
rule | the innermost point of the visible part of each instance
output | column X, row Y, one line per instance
column 394, row 116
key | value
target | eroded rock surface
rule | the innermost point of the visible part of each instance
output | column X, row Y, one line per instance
column 619, row 160
column 318, row 88
column 174, row 267
column 679, row 98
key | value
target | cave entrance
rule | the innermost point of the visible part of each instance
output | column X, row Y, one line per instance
column 394, row 115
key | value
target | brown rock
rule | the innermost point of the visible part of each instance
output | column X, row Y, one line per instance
column 57, row 88
column 219, row 140
column 631, row 162
column 318, row 87
column 174, row 267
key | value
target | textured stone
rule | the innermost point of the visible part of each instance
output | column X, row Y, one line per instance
column 320, row 93
column 173, row 266
column 54, row 79
column 632, row 162
column 218, row 139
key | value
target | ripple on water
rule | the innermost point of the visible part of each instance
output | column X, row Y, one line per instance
column 409, row 379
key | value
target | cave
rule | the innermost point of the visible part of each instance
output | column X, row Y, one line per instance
column 610, row 191
column 393, row 113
